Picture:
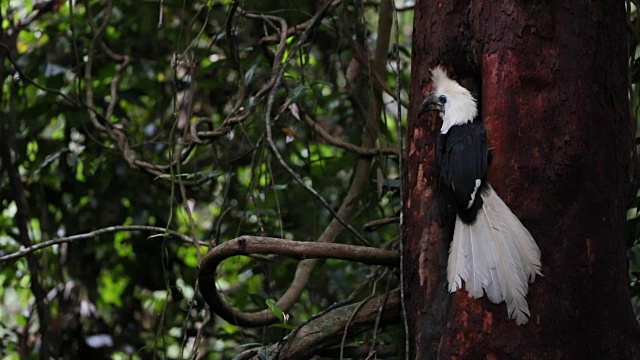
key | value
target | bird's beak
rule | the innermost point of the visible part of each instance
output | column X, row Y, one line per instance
column 430, row 103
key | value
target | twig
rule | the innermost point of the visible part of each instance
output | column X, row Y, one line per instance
column 362, row 151
column 357, row 309
column 272, row 39
column 187, row 208
column 199, row 335
column 372, row 225
column 395, row 95
column 89, row 63
column 373, row 349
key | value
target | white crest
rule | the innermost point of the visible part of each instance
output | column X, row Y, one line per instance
column 460, row 107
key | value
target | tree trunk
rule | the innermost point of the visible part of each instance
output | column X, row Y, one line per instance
column 552, row 81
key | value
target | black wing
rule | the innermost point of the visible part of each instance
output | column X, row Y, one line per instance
column 464, row 164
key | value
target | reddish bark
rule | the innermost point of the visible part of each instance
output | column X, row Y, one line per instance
column 554, row 99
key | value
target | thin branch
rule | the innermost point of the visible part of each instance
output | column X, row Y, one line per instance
column 88, row 79
column 26, row 78
column 373, row 225
column 362, row 151
column 249, row 245
column 125, row 60
column 61, row 240
column 297, row 29
column 394, row 94
column 187, row 208
column 372, row 349
column 355, row 312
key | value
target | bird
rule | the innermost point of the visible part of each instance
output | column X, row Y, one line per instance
column 491, row 251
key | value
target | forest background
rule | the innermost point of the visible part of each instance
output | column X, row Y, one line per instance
column 137, row 135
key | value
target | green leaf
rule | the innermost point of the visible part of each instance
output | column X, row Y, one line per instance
column 271, row 304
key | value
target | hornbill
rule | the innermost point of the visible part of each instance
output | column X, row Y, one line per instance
column 491, row 250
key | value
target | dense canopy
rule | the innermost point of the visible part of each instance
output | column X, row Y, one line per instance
column 135, row 136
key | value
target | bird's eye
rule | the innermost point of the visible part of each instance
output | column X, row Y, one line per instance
column 443, row 99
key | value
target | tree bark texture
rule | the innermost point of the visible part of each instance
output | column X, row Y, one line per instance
column 551, row 79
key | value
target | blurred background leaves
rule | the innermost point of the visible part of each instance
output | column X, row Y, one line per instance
column 133, row 295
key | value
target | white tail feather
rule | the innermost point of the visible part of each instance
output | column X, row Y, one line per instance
column 456, row 270
column 496, row 254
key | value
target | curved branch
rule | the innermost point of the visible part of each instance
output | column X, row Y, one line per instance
column 250, row 245
column 61, row 240
column 227, row 125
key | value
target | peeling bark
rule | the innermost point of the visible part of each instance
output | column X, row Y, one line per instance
column 553, row 91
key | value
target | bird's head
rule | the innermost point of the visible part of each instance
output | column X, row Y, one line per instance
column 455, row 104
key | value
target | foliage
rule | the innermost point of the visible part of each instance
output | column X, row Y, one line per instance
column 109, row 119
